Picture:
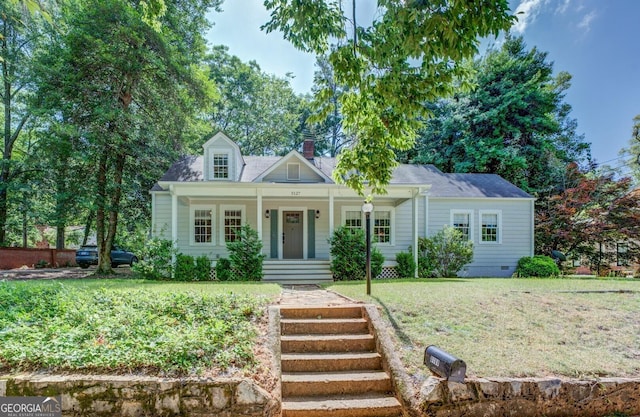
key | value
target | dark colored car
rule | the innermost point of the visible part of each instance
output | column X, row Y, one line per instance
column 88, row 255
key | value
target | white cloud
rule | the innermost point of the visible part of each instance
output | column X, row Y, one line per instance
column 562, row 8
column 586, row 21
column 526, row 12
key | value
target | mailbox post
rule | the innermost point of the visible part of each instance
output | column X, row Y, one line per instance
column 444, row 364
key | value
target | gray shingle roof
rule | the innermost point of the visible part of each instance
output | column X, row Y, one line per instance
column 190, row 169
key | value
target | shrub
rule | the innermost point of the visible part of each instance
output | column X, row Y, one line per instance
column 445, row 253
column 349, row 257
column 223, row 270
column 537, row 266
column 203, row 268
column 245, row 254
column 406, row 264
column 155, row 259
column 185, row 268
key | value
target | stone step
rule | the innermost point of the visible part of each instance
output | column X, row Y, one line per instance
column 330, row 362
column 323, row 326
column 334, row 383
column 334, row 312
column 327, row 343
column 342, row 406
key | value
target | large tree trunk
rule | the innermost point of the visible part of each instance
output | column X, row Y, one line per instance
column 107, row 216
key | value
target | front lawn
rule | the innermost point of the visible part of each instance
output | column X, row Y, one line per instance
column 117, row 326
column 514, row 327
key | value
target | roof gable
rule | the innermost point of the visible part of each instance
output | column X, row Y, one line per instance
column 282, row 170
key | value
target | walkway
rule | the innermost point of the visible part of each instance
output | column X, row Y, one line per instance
column 311, row 295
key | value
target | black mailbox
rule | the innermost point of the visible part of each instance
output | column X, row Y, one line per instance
column 444, row 364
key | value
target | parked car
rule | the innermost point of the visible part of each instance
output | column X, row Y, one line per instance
column 88, row 255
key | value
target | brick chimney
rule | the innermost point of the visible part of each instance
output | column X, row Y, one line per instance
column 308, row 149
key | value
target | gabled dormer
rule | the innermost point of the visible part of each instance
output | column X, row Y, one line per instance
column 294, row 168
column 222, row 159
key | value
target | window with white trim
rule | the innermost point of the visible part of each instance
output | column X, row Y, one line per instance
column 462, row 220
column 232, row 221
column 490, row 225
column 220, row 163
column 622, row 252
column 353, row 219
column 381, row 226
column 202, row 220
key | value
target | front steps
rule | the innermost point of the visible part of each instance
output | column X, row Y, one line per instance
column 287, row 272
column 330, row 366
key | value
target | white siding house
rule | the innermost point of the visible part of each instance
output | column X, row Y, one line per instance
column 294, row 204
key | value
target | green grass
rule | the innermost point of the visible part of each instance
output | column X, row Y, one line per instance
column 514, row 327
column 130, row 326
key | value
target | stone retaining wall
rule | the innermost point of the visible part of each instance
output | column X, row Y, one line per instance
column 128, row 396
column 532, row 397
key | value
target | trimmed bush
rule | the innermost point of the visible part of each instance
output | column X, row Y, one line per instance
column 223, row 270
column 444, row 254
column 245, row 254
column 537, row 266
column 406, row 265
column 155, row 259
column 203, row 268
column 349, row 255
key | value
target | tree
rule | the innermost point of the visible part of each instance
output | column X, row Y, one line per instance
column 128, row 85
column 17, row 41
column 260, row 112
column 411, row 53
column 596, row 211
column 632, row 153
column 514, row 123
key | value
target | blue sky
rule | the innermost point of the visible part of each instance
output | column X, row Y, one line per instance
column 596, row 41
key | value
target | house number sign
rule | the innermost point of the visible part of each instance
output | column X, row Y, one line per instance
column 295, row 192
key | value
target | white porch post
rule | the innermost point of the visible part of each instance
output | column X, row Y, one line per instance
column 330, row 213
column 415, row 233
column 259, row 215
column 174, row 222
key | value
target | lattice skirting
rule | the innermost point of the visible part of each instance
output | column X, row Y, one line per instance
column 388, row 272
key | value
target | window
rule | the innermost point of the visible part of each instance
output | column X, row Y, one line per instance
column 293, row 172
column 353, row 219
column 490, row 227
column 382, row 227
column 232, row 219
column 220, row 166
column 461, row 220
column 622, row 252
column 232, row 222
column 202, row 225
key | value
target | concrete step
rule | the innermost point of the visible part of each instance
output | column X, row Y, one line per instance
column 330, row 362
column 323, row 326
column 343, row 406
column 334, row 383
column 334, row 312
column 327, row 343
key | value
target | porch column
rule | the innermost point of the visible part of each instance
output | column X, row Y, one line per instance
column 330, row 213
column 260, row 214
column 415, row 233
column 174, row 222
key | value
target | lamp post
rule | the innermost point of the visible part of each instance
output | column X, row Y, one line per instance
column 367, row 208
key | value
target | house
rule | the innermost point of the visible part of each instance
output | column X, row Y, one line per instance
column 294, row 204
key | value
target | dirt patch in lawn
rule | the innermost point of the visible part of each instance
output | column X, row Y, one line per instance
column 28, row 274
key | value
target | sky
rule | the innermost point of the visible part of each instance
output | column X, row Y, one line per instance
column 596, row 41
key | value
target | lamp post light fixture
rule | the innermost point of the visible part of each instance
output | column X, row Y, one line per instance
column 367, row 208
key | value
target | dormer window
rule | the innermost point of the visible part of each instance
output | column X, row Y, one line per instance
column 293, row 172
column 220, row 166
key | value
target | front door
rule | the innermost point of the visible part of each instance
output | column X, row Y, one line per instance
column 292, row 235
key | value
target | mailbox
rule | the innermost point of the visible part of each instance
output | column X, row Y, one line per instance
column 444, row 364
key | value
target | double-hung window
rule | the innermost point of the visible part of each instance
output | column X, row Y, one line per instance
column 220, row 166
column 353, row 219
column 202, row 223
column 232, row 221
column 462, row 220
column 490, row 226
column 382, row 226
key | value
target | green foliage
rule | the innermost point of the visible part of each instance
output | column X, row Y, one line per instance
column 409, row 54
column 55, row 327
column 406, row 264
column 245, row 255
column 155, row 259
column 537, row 266
column 349, row 255
column 203, row 268
column 223, row 270
column 444, row 254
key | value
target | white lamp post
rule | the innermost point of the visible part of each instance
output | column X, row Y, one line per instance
column 367, row 208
